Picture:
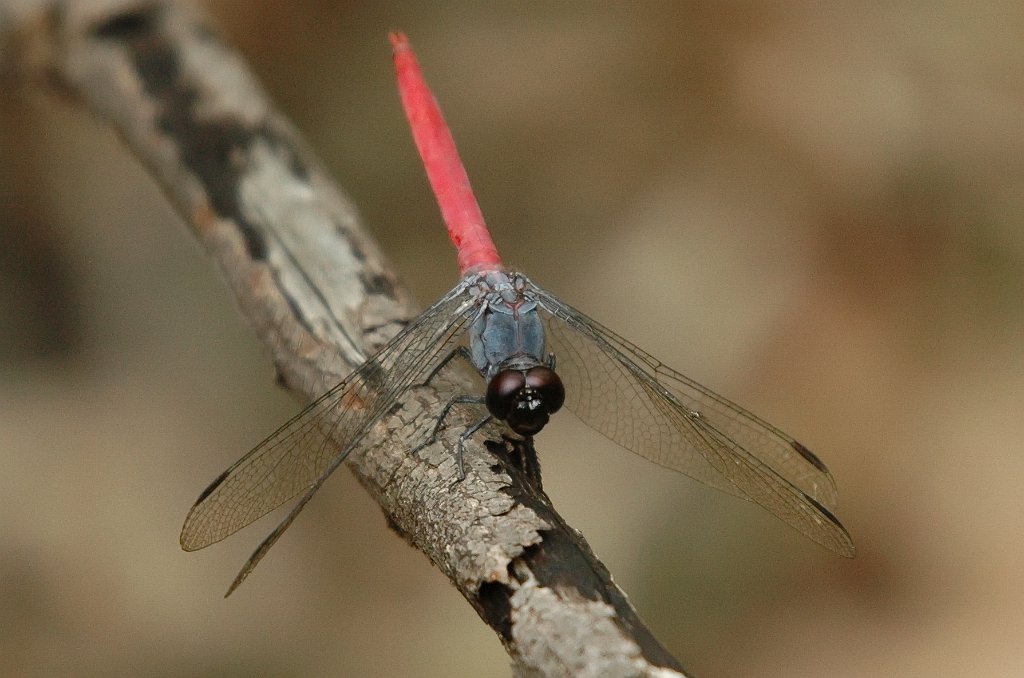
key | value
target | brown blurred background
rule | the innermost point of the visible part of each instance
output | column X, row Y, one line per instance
column 816, row 211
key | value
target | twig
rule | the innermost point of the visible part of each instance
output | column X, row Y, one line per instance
column 316, row 290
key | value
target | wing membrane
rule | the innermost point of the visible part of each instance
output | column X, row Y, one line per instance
column 636, row 401
column 293, row 458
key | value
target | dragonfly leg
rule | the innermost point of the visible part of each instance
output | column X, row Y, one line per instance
column 439, row 424
column 470, row 430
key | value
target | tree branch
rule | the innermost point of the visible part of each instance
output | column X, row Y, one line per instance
column 318, row 293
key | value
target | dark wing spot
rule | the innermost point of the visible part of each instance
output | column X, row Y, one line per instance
column 810, row 457
column 828, row 514
column 213, row 486
column 846, row 549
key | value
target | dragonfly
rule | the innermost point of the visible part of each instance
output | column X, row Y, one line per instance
column 536, row 354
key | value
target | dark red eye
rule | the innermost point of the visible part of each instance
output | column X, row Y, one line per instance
column 503, row 391
column 548, row 386
column 525, row 400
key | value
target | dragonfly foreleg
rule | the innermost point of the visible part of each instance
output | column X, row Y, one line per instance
column 470, row 430
column 458, row 352
column 439, row 424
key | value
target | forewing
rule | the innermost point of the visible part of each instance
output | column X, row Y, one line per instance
column 633, row 399
column 295, row 456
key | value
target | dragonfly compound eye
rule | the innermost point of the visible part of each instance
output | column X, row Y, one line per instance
column 502, row 392
column 548, row 386
column 525, row 400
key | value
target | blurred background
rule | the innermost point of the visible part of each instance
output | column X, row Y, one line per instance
column 815, row 211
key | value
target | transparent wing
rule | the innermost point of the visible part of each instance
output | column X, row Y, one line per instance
column 639, row 403
column 293, row 458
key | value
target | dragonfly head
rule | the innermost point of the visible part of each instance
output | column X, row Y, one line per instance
column 525, row 399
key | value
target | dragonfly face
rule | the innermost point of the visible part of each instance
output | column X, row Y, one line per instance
column 525, row 399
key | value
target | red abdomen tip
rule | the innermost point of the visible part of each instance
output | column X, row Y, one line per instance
column 399, row 40
column 441, row 160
